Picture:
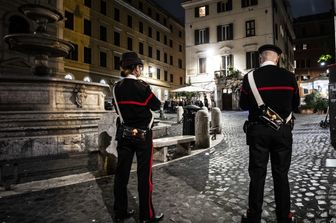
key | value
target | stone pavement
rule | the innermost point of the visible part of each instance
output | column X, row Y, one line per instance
column 210, row 186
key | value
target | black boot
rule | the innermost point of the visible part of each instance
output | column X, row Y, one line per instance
column 120, row 218
column 157, row 218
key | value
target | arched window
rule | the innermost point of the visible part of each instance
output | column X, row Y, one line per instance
column 87, row 79
column 18, row 24
column 69, row 76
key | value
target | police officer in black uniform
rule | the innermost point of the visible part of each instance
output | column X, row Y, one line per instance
column 135, row 100
column 279, row 91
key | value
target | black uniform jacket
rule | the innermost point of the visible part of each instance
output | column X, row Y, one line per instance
column 135, row 100
column 278, row 89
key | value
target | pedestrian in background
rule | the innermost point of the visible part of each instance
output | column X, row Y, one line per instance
column 134, row 102
column 279, row 91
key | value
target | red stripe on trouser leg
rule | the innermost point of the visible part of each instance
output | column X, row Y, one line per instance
column 150, row 184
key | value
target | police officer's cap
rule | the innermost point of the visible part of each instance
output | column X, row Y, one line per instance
column 130, row 58
column 269, row 47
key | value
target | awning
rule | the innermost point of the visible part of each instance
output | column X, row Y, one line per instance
column 190, row 89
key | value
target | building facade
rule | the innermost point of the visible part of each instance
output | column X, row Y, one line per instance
column 102, row 30
column 222, row 37
column 314, row 38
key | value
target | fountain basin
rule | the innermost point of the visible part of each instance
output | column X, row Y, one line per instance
column 38, row 44
column 38, row 12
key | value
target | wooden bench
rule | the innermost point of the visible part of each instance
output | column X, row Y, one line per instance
column 161, row 146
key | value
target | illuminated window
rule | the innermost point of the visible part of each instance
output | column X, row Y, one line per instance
column 202, row 11
column 304, row 46
column 69, row 76
column 87, row 79
column 202, row 65
column 103, row 81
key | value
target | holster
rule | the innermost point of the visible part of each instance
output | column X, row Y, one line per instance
column 132, row 134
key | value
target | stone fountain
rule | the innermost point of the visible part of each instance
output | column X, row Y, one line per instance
column 49, row 126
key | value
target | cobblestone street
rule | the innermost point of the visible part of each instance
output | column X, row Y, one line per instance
column 211, row 186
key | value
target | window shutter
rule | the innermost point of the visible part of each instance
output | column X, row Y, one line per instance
column 206, row 35
column 196, row 12
column 219, row 34
column 196, row 37
column 230, row 35
column 229, row 5
column 207, row 10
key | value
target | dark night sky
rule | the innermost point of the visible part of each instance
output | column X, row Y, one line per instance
column 299, row 7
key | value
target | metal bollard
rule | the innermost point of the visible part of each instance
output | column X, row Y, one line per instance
column 202, row 129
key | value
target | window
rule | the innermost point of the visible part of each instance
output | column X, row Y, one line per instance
column 180, row 48
column 252, row 60
column 201, row 36
column 140, row 6
column 116, row 14
column 165, row 58
column 141, row 48
column 103, row 7
column 227, row 63
column 69, row 76
column 165, row 75
column 304, row 46
column 150, row 71
column 225, row 32
column 180, row 63
column 141, row 27
column 171, row 43
column 69, row 22
column 250, row 28
column 149, row 12
column 74, row 53
column 158, row 74
column 165, row 41
column 158, row 36
column 180, row 34
column 171, row 60
column 202, row 11
column 158, row 54
column 171, row 78
column 129, row 21
column 87, row 79
column 129, row 43
column 276, row 31
column 150, row 51
column 87, row 27
column 150, row 31
column 202, row 65
column 181, row 80
column 102, row 81
column 103, row 34
column 247, row 3
column 87, row 55
column 103, row 59
column 116, row 63
column 87, row 3
column 157, row 17
column 164, row 21
column 224, row 6
column 116, row 38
